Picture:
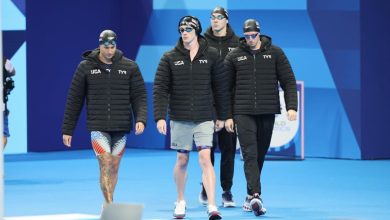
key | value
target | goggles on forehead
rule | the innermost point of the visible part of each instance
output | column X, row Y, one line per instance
column 107, row 43
column 186, row 29
column 218, row 17
column 253, row 36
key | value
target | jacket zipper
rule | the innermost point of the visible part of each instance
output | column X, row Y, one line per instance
column 254, row 75
column 220, row 48
column 109, row 100
column 192, row 90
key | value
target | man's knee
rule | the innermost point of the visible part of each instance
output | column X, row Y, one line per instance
column 182, row 159
column 204, row 156
column 105, row 160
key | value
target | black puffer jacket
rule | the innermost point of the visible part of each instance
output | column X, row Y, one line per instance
column 188, row 87
column 112, row 97
column 254, row 78
column 223, row 44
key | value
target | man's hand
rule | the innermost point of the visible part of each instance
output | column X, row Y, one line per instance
column 67, row 140
column 162, row 126
column 292, row 115
column 139, row 128
column 219, row 125
column 229, row 125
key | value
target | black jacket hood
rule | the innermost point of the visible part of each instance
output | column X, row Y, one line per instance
column 93, row 55
column 202, row 46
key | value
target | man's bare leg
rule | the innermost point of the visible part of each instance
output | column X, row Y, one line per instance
column 180, row 174
column 208, row 175
column 105, row 176
column 4, row 141
column 115, row 161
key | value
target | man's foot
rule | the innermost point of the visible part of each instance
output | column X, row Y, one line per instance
column 180, row 209
column 203, row 196
column 227, row 199
column 256, row 204
column 213, row 212
column 246, row 206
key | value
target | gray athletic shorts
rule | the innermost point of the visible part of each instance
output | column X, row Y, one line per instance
column 183, row 133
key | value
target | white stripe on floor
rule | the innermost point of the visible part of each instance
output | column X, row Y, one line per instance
column 55, row 217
